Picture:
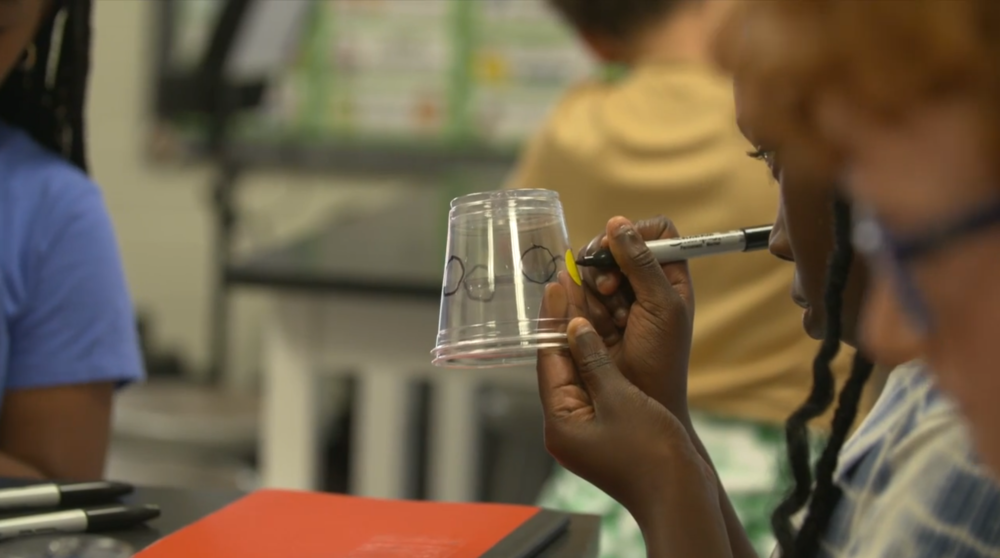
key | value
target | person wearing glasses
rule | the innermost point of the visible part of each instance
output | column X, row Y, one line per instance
column 913, row 129
column 909, row 482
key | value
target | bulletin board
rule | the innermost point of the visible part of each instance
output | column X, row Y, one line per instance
column 411, row 74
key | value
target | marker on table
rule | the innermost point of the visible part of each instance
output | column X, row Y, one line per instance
column 688, row 247
column 52, row 495
column 87, row 520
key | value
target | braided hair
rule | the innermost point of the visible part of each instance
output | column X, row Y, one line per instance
column 47, row 99
column 823, row 498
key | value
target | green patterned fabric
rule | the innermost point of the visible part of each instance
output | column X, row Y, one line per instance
column 750, row 460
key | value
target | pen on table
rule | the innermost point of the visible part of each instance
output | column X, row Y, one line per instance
column 86, row 520
column 668, row 250
column 73, row 494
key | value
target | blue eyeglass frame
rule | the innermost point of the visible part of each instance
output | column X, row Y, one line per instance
column 896, row 253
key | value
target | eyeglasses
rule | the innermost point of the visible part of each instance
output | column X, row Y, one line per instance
column 894, row 254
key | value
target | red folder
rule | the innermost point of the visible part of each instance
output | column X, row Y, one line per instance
column 279, row 524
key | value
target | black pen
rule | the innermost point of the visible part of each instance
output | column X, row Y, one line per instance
column 52, row 495
column 689, row 247
column 87, row 520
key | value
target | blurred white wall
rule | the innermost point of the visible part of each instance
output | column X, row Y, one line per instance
column 160, row 217
column 162, row 214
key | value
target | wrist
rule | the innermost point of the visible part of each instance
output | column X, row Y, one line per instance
column 681, row 515
column 676, row 471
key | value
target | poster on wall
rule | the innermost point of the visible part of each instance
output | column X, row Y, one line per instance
column 416, row 75
column 523, row 59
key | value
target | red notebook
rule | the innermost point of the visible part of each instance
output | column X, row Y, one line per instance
column 279, row 523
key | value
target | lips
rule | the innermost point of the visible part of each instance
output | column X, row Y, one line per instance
column 797, row 296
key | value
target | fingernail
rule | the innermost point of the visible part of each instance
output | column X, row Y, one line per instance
column 583, row 327
column 627, row 232
column 621, row 315
column 602, row 280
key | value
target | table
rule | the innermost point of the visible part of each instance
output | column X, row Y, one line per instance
column 183, row 507
column 361, row 299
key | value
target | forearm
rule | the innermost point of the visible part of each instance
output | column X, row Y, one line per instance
column 16, row 469
column 739, row 542
column 686, row 520
column 673, row 539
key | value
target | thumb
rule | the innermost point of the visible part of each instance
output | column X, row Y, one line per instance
column 677, row 273
column 637, row 263
column 598, row 372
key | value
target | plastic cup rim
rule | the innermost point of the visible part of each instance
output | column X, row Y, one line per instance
column 471, row 354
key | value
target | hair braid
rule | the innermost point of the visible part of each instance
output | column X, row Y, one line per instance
column 822, row 500
column 49, row 102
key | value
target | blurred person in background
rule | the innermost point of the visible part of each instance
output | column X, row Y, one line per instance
column 67, row 333
column 903, row 100
column 663, row 139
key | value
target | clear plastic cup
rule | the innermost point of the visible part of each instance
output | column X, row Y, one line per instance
column 503, row 248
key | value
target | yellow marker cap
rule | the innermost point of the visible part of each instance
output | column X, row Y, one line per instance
column 572, row 269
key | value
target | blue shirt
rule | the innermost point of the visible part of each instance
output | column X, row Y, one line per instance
column 67, row 316
column 913, row 486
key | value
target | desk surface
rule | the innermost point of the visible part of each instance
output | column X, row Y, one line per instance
column 397, row 250
column 183, row 507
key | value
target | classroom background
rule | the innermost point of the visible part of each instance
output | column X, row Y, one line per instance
column 283, row 235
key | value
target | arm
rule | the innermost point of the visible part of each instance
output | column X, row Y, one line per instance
column 72, row 339
column 68, row 434
column 682, row 521
column 739, row 542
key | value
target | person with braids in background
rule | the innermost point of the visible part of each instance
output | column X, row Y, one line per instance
column 903, row 99
column 908, row 483
column 67, row 333
column 663, row 138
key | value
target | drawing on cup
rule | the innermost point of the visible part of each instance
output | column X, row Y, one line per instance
column 538, row 265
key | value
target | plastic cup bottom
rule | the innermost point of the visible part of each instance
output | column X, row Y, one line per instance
column 480, row 349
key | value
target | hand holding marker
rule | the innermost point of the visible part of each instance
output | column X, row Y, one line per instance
column 749, row 239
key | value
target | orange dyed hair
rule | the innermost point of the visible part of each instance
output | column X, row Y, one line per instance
column 881, row 55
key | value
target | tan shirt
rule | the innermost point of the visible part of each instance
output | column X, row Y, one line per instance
column 665, row 141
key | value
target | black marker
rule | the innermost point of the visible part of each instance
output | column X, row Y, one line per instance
column 53, row 495
column 87, row 520
column 688, row 247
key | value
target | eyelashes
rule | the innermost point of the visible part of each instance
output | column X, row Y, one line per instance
column 768, row 156
column 761, row 154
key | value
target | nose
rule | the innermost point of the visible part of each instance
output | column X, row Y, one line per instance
column 886, row 334
column 778, row 243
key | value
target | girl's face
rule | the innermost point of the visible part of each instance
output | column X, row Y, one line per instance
column 931, row 176
column 803, row 234
column 19, row 22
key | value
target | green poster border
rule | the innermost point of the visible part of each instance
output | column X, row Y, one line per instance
column 463, row 33
column 321, row 85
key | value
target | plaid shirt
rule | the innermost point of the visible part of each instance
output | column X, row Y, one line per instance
column 912, row 484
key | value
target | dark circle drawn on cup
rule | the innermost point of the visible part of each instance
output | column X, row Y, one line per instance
column 454, row 276
column 539, row 265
